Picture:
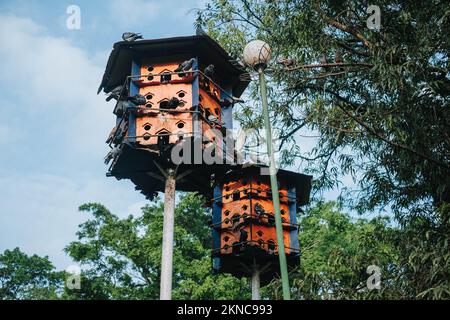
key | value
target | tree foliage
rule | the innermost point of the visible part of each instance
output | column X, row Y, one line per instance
column 27, row 277
column 382, row 116
column 377, row 99
column 120, row 259
column 122, row 256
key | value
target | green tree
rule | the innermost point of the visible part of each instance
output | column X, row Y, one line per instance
column 117, row 254
column 336, row 252
column 122, row 256
column 381, row 114
column 27, row 277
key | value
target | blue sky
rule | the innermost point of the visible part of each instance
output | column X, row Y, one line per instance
column 53, row 125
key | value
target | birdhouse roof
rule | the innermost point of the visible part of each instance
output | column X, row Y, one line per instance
column 201, row 46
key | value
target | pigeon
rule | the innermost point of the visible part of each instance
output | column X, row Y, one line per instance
column 173, row 103
column 229, row 101
column 121, row 108
column 137, row 99
column 209, row 71
column 200, row 32
column 259, row 210
column 185, row 65
column 112, row 155
column 116, row 135
column 226, row 102
column 286, row 62
column 115, row 93
column 111, row 135
column 243, row 237
column 131, row 36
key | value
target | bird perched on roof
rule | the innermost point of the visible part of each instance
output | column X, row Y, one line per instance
column 131, row 36
column 115, row 93
column 199, row 31
column 243, row 236
column 112, row 154
column 209, row 71
column 185, row 65
column 286, row 62
column 137, row 99
column 173, row 103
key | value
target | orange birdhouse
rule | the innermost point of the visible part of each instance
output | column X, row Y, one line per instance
column 170, row 93
column 243, row 221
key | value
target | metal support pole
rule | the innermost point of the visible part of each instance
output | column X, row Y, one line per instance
column 274, row 186
column 167, row 241
column 256, row 284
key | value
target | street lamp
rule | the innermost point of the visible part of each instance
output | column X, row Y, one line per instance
column 257, row 55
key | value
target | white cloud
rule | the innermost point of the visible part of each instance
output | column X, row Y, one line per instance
column 39, row 212
column 55, row 83
column 53, row 128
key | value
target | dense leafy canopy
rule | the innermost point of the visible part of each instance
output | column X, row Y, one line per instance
column 27, row 277
column 378, row 100
column 382, row 116
column 120, row 259
column 123, row 256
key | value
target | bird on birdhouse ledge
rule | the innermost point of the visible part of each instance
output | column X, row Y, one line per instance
column 137, row 99
column 185, row 66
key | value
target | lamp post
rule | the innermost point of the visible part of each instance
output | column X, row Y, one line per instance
column 256, row 55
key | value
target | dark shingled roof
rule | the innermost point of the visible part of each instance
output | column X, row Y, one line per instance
column 201, row 46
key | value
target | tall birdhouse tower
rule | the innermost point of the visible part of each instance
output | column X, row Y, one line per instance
column 173, row 106
column 170, row 92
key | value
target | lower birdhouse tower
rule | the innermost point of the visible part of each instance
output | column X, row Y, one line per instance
column 175, row 95
column 243, row 223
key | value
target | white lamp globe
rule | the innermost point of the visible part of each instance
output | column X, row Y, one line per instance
column 257, row 53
